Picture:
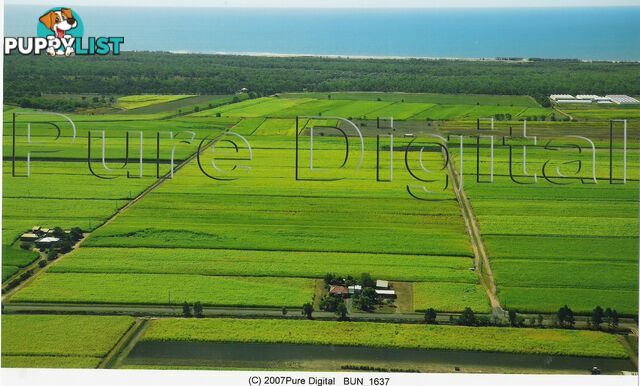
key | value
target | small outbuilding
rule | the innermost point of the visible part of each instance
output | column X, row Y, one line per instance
column 29, row 237
column 382, row 284
column 386, row 293
column 354, row 289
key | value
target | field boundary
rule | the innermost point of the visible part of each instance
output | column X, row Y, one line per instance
column 125, row 344
column 481, row 260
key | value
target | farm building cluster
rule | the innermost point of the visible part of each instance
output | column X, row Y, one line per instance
column 41, row 237
column 591, row 99
column 382, row 289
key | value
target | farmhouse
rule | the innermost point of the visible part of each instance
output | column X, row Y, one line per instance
column 47, row 242
column 339, row 290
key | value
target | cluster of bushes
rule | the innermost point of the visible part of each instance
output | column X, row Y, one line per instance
column 15, row 282
column 197, row 310
column 377, row 369
column 62, row 104
column 552, row 118
column 331, row 303
column 469, row 318
column 331, row 279
column 564, row 318
column 66, row 243
column 502, row 117
column 608, row 316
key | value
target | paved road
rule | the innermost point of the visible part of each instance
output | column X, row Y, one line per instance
column 293, row 313
column 171, row 311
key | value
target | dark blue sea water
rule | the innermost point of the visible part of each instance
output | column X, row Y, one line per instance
column 582, row 33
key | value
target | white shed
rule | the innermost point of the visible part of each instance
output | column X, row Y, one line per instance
column 382, row 284
column 386, row 293
column 354, row 289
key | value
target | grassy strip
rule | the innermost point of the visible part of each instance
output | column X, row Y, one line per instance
column 66, row 362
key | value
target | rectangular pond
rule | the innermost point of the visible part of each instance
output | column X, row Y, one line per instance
column 332, row 358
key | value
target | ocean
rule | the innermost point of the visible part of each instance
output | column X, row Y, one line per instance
column 557, row 33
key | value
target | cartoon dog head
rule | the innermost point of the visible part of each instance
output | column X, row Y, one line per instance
column 59, row 21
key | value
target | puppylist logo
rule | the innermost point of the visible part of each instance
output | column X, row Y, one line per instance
column 60, row 32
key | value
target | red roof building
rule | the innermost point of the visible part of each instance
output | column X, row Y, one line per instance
column 339, row 290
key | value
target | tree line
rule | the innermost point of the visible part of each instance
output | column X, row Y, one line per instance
column 563, row 318
column 166, row 73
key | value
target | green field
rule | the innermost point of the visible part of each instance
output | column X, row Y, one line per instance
column 449, row 296
column 550, row 244
column 371, row 106
column 601, row 112
column 168, row 289
column 263, row 240
column 131, row 102
column 444, row 99
column 552, row 342
column 59, row 341
column 14, row 258
column 228, row 262
column 45, row 199
column 186, row 105
column 282, row 229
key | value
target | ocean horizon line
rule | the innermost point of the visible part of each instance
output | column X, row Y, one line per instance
column 480, row 34
column 383, row 57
